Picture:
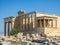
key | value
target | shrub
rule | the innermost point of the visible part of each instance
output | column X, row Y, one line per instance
column 14, row 31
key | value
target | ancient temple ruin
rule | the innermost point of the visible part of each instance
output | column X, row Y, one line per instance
column 33, row 22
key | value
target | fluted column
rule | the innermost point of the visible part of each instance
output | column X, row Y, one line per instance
column 8, row 28
column 31, row 22
column 4, row 28
column 22, row 22
column 35, row 22
column 25, row 22
column 28, row 22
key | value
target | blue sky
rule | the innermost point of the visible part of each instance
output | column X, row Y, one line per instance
column 11, row 7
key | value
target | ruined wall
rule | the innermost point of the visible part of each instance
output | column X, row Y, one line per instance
column 53, row 31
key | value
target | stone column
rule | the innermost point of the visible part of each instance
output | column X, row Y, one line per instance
column 40, row 23
column 44, row 23
column 56, row 23
column 25, row 22
column 8, row 28
column 4, row 28
column 22, row 22
column 35, row 22
column 52, row 23
column 48, row 23
column 31, row 22
column 28, row 22
column 12, row 24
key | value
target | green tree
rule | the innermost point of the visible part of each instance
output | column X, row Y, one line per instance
column 14, row 31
